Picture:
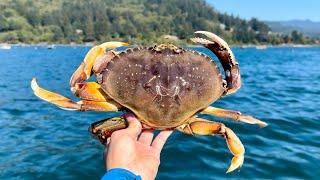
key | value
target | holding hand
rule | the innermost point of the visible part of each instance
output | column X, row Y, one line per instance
column 134, row 150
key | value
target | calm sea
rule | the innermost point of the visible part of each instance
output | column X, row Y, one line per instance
column 280, row 86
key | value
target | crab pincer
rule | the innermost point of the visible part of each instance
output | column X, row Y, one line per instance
column 226, row 57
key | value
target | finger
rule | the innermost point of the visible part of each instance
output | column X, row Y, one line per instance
column 161, row 139
column 134, row 128
column 146, row 137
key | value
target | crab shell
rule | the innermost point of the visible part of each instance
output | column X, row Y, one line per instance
column 164, row 86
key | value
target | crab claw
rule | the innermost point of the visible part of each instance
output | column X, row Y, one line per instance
column 214, row 39
column 84, row 71
column 211, row 36
column 222, row 50
column 236, row 148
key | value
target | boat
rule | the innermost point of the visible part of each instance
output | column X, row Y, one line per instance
column 51, row 46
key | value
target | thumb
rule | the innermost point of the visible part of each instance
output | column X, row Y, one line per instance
column 134, row 128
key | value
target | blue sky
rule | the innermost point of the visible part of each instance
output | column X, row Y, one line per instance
column 270, row 9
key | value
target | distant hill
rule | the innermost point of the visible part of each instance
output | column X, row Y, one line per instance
column 309, row 28
column 136, row 21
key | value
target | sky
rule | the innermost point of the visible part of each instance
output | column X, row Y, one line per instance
column 273, row 10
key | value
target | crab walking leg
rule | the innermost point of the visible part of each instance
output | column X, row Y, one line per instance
column 221, row 49
column 198, row 126
column 84, row 71
column 68, row 104
column 235, row 115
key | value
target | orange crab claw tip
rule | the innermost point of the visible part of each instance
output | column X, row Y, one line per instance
column 236, row 162
column 206, row 33
column 213, row 37
column 113, row 44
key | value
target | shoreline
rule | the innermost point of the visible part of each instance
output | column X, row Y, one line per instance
column 243, row 46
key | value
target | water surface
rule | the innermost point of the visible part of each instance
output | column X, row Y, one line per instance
column 280, row 86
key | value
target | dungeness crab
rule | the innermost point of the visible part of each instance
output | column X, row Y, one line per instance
column 164, row 86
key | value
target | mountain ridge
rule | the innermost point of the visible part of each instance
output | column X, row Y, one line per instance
column 306, row 26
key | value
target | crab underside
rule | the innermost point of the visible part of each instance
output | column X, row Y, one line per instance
column 164, row 86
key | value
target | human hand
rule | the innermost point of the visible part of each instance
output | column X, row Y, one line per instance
column 138, row 154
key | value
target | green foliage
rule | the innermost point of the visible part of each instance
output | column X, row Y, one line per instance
column 137, row 21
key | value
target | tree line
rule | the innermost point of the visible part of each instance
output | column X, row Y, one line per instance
column 138, row 21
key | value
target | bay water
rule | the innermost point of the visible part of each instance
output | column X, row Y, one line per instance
column 281, row 86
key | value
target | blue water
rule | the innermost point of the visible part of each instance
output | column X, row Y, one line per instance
column 280, row 86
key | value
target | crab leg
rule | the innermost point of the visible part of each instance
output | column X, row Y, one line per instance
column 221, row 49
column 53, row 98
column 198, row 126
column 94, row 98
column 235, row 115
column 68, row 104
column 84, row 71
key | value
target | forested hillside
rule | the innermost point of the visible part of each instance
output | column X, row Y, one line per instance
column 142, row 21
